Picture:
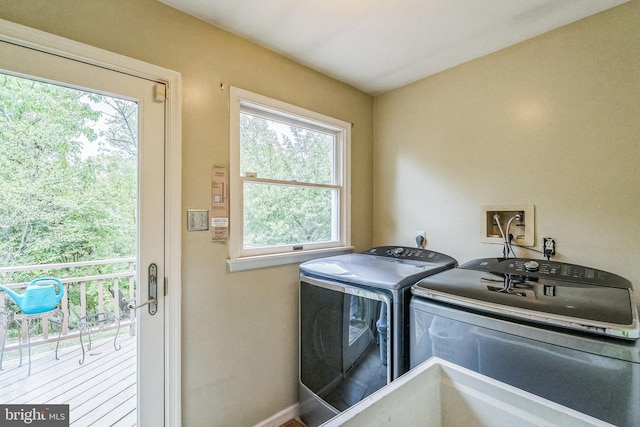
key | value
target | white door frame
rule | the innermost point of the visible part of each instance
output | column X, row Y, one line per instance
column 36, row 39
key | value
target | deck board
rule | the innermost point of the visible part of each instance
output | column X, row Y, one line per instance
column 100, row 392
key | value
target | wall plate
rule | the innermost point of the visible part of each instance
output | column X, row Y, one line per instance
column 197, row 220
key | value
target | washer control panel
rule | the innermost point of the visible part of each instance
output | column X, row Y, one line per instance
column 559, row 271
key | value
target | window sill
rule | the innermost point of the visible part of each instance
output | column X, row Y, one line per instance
column 263, row 261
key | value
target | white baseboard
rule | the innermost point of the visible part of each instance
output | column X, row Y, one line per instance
column 281, row 417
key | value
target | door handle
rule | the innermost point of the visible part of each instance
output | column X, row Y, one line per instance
column 130, row 306
column 152, row 302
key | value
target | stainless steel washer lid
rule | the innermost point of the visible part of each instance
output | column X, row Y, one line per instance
column 559, row 294
column 379, row 267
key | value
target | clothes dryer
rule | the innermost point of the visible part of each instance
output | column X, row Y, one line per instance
column 354, row 324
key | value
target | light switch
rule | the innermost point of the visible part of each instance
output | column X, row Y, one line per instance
column 197, row 220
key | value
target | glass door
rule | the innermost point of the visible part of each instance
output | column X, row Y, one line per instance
column 99, row 96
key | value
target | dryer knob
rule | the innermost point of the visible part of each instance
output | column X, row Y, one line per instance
column 531, row 266
column 397, row 251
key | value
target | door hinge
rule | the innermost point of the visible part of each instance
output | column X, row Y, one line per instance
column 160, row 92
column 166, row 286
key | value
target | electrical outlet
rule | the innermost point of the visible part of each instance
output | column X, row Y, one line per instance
column 421, row 239
column 549, row 246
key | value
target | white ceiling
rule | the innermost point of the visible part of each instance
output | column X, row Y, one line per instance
column 378, row 45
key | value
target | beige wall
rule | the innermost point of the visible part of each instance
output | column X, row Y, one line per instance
column 554, row 122
column 239, row 331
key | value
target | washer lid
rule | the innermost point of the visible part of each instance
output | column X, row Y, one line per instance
column 541, row 296
column 383, row 272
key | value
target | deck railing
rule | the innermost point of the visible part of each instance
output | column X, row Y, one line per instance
column 109, row 287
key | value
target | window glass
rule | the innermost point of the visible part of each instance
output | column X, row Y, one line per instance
column 288, row 177
column 284, row 215
column 275, row 150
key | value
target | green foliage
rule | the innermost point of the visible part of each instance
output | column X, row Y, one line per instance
column 68, row 177
column 276, row 213
column 41, row 171
column 282, row 152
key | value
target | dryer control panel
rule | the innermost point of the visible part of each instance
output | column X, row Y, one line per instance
column 403, row 252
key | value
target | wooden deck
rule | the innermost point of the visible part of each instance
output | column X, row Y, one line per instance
column 100, row 392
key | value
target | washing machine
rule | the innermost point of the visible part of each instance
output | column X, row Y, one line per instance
column 564, row 332
column 354, row 324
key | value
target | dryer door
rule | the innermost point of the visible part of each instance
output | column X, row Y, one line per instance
column 344, row 341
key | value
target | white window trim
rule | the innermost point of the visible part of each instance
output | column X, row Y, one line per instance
column 238, row 262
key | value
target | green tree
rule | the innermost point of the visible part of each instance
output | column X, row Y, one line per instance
column 68, row 176
column 42, row 175
column 276, row 213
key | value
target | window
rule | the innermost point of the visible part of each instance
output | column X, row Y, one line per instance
column 289, row 192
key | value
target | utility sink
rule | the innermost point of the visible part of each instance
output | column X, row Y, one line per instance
column 438, row 393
